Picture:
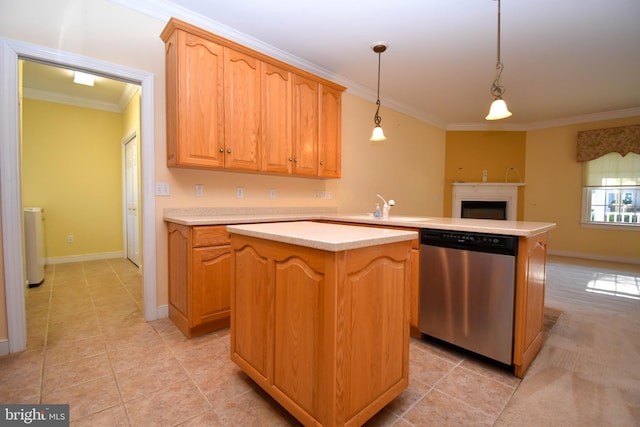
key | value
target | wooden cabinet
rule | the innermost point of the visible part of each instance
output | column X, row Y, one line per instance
column 243, row 113
column 324, row 333
column 305, row 126
column 530, row 284
column 277, row 132
column 231, row 107
column 199, row 278
column 195, row 109
column 330, row 129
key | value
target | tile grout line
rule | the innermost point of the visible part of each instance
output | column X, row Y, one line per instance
column 46, row 332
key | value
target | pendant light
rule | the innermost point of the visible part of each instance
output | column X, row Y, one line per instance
column 498, row 108
column 378, row 134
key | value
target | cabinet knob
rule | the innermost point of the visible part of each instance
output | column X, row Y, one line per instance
column 229, row 150
column 222, row 150
column 290, row 159
column 321, row 163
column 295, row 159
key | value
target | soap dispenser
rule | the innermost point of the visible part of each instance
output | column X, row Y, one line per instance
column 377, row 213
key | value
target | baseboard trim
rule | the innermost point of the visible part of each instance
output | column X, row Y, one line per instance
column 594, row 257
column 4, row 347
column 163, row 311
column 84, row 257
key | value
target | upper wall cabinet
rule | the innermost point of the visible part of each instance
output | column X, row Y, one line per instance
column 231, row 107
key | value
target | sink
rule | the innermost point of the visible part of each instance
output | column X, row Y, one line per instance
column 393, row 218
column 409, row 218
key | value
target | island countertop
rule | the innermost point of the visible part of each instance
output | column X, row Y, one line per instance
column 317, row 235
column 226, row 216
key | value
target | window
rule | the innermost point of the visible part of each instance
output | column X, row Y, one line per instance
column 611, row 190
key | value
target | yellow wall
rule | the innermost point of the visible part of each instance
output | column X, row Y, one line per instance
column 407, row 167
column 72, row 169
column 554, row 193
column 468, row 153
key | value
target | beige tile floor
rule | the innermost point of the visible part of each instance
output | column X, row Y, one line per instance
column 89, row 346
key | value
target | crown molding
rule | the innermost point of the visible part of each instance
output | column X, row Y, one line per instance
column 59, row 98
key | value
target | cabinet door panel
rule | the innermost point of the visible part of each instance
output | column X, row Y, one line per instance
column 298, row 320
column 277, row 135
column 211, row 284
column 305, row 126
column 200, row 102
column 242, row 110
column 252, row 317
column 329, row 144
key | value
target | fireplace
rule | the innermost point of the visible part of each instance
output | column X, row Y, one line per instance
column 484, row 209
column 486, row 200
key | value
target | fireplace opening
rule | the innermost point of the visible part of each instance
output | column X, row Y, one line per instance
column 483, row 209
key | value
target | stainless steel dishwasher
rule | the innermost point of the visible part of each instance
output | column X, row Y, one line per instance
column 467, row 290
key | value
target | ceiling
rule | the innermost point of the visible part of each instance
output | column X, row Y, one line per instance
column 51, row 83
column 564, row 61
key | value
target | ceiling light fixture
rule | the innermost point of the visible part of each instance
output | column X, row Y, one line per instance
column 83, row 78
column 498, row 108
column 378, row 134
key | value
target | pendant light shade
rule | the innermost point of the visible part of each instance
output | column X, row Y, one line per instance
column 378, row 134
column 498, row 108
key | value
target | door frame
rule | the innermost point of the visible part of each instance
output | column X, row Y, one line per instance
column 11, row 51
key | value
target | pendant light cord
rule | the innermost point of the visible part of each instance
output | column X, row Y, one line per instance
column 496, row 89
column 376, row 118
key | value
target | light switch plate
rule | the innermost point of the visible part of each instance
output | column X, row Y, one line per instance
column 162, row 189
column 199, row 190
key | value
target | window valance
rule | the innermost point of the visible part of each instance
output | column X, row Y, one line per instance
column 598, row 142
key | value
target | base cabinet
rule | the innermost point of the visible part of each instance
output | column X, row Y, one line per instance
column 199, row 278
column 326, row 334
column 529, row 310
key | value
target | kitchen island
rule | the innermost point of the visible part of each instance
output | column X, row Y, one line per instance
column 182, row 223
column 320, row 316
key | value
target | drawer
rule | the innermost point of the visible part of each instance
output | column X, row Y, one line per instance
column 210, row 235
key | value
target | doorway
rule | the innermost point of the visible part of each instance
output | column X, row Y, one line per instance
column 131, row 197
column 73, row 162
column 11, row 52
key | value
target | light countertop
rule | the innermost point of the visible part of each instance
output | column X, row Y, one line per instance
column 328, row 237
column 228, row 216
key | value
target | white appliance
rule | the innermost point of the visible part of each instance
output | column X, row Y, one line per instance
column 34, row 245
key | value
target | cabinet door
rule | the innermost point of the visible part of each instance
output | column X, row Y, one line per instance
column 277, row 136
column 305, row 126
column 329, row 142
column 242, row 110
column 211, row 284
column 195, row 129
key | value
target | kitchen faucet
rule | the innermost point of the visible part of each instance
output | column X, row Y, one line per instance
column 386, row 207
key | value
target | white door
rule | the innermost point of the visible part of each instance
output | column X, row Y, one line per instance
column 131, row 197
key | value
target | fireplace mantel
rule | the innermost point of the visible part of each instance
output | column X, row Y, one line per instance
column 493, row 191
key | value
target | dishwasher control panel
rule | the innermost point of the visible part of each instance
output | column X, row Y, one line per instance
column 481, row 242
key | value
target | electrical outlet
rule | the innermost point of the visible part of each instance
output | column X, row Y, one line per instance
column 330, row 195
column 239, row 192
column 199, row 190
column 323, row 194
column 70, row 238
column 484, row 175
column 272, row 193
column 316, row 194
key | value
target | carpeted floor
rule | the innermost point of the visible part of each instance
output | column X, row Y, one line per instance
column 587, row 372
